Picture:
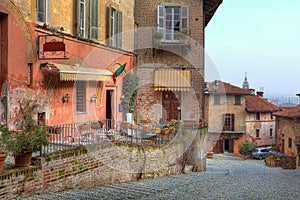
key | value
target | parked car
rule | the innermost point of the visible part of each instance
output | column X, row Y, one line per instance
column 261, row 153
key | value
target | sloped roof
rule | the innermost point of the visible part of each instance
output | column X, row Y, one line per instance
column 289, row 112
column 259, row 104
column 210, row 7
column 226, row 88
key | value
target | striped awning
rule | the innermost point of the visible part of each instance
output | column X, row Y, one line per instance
column 76, row 73
column 172, row 80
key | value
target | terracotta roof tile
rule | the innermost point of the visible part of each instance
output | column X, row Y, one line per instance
column 226, row 88
column 289, row 112
column 259, row 104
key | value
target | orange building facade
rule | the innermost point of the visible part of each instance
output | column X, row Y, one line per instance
column 63, row 56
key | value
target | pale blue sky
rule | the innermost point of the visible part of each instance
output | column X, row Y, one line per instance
column 260, row 37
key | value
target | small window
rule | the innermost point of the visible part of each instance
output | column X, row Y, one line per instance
column 228, row 122
column 290, row 143
column 42, row 11
column 80, row 96
column 257, row 115
column 257, row 133
column 271, row 132
column 217, row 99
column 171, row 21
column 237, row 99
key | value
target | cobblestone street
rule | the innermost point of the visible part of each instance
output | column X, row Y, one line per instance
column 227, row 177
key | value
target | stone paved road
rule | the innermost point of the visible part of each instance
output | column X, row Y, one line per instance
column 227, row 177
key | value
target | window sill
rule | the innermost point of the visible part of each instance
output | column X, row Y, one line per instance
column 81, row 113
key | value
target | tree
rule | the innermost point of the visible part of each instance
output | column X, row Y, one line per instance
column 246, row 148
column 130, row 84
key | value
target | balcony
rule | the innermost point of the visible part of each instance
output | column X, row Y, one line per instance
column 178, row 43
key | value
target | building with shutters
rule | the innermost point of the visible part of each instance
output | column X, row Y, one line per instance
column 63, row 54
column 225, row 113
column 169, row 47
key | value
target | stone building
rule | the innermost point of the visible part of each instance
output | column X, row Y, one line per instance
column 260, row 120
column 63, row 54
column 225, row 113
column 170, row 42
column 288, row 130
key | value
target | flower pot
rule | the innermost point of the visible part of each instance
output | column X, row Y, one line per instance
column 2, row 161
column 23, row 160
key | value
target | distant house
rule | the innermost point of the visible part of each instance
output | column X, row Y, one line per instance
column 225, row 113
column 260, row 121
column 288, row 130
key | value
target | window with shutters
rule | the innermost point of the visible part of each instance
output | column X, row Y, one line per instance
column 228, row 122
column 172, row 21
column 87, row 18
column 114, row 27
column 80, row 96
column 42, row 11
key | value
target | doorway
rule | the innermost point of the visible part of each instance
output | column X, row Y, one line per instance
column 228, row 145
column 109, row 112
column 171, row 105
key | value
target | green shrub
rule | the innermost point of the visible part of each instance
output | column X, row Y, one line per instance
column 246, row 148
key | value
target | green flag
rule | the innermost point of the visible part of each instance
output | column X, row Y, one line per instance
column 120, row 70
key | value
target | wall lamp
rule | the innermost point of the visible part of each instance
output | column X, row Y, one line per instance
column 66, row 98
column 94, row 98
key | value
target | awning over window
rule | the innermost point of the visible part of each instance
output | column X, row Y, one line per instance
column 76, row 73
column 172, row 80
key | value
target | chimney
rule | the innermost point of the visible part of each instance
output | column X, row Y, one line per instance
column 260, row 93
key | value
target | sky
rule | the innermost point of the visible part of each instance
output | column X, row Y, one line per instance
column 257, row 37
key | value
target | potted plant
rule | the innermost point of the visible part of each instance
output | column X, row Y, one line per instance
column 3, row 151
column 29, row 137
column 173, row 124
column 165, row 130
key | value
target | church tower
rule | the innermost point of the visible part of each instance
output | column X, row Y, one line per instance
column 246, row 83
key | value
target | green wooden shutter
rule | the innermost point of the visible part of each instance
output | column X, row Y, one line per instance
column 184, row 19
column 119, row 36
column 94, row 19
column 161, row 12
column 78, row 18
column 47, row 17
column 108, row 25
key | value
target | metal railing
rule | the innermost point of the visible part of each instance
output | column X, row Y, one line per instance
column 69, row 136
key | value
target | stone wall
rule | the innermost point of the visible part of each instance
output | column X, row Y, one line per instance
column 98, row 165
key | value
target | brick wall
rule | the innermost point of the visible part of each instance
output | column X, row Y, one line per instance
column 83, row 168
column 151, row 57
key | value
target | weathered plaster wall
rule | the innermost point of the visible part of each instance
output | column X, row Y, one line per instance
column 287, row 128
column 264, row 125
